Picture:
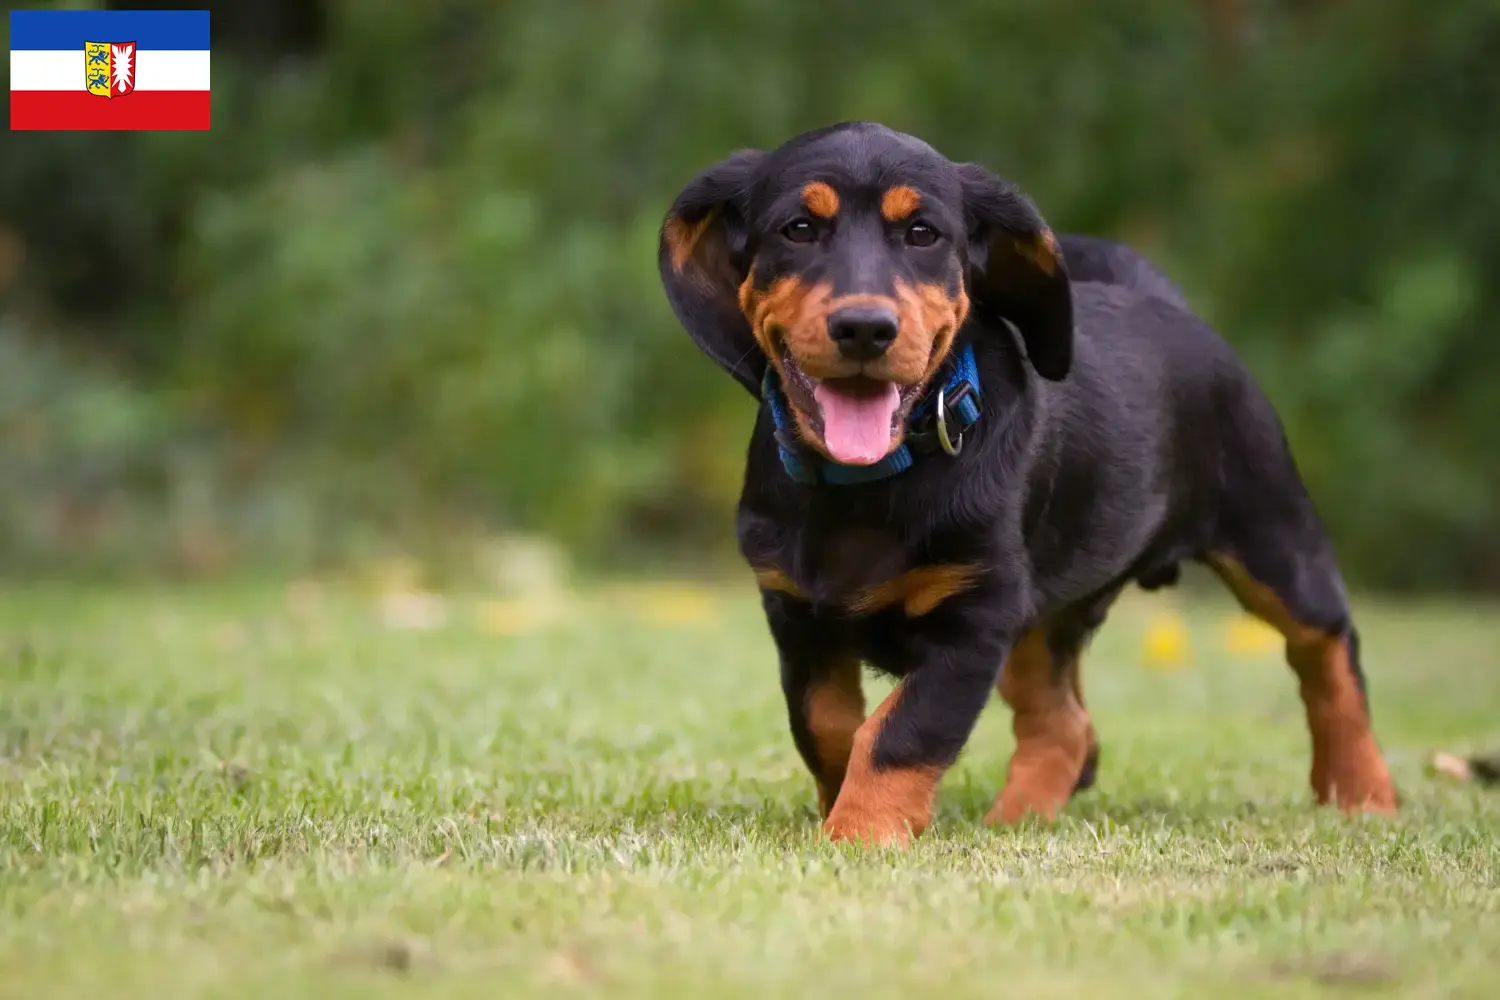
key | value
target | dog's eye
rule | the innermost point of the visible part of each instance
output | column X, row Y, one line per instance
column 920, row 234
column 799, row 231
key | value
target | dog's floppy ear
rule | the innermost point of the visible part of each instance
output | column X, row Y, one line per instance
column 1016, row 270
column 703, row 259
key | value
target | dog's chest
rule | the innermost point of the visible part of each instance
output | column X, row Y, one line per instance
column 841, row 564
column 860, row 571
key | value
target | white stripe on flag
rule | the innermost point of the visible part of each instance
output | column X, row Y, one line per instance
column 156, row 69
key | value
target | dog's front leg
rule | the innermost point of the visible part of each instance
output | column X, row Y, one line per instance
column 820, row 677
column 901, row 752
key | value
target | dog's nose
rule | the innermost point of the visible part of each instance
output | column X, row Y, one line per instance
column 863, row 333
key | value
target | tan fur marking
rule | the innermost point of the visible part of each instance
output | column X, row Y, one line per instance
column 1348, row 767
column 771, row 578
column 918, row 591
column 1261, row 601
column 938, row 312
column 899, row 202
column 821, row 199
column 1053, row 732
column 747, row 297
column 794, row 313
column 682, row 238
column 794, row 310
column 881, row 807
column 1042, row 252
column 835, row 709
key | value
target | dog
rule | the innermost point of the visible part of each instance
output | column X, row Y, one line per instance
column 972, row 436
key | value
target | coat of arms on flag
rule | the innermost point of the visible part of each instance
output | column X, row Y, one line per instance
column 110, row 68
column 68, row 66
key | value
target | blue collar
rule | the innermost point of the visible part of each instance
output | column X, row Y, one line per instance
column 925, row 431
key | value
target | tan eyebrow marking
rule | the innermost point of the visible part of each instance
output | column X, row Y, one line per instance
column 898, row 202
column 821, row 200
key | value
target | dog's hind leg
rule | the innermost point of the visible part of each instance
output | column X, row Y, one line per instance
column 1057, row 752
column 1286, row 576
column 1269, row 546
column 1090, row 772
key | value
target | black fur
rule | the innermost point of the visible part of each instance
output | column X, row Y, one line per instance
column 1143, row 443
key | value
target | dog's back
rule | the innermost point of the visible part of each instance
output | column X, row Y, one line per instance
column 1160, row 432
column 1133, row 431
column 1091, row 259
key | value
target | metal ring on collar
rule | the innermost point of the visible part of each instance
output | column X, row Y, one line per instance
column 948, row 444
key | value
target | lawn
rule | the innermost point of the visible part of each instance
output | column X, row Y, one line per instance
column 226, row 792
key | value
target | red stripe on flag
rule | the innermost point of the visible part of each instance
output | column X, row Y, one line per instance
column 75, row 110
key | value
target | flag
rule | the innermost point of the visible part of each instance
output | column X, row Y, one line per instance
column 87, row 69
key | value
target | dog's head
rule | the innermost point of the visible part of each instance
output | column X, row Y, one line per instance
column 849, row 258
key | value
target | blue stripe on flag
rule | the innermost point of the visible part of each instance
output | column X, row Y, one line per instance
column 57, row 30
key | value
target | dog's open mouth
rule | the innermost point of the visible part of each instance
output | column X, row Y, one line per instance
column 857, row 417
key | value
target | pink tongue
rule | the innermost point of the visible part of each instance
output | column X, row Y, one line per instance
column 857, row 419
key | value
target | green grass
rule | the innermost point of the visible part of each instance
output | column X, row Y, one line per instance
column 245, row 794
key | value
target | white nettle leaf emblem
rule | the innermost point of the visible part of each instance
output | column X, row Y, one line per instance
column 122, row 64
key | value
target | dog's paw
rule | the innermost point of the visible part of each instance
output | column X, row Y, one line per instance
column 869, row 829
column 1354, row 777
column 1017, row 802
column 1044, row 773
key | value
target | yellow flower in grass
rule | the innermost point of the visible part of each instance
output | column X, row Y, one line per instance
column 512, row 617
column 1166, row 645
column 1249, row 636
column 668, row 603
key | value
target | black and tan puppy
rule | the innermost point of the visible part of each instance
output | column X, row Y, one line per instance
column 972, row 437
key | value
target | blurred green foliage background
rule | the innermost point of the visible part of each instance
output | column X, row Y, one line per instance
column 403, row 295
